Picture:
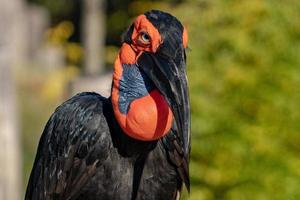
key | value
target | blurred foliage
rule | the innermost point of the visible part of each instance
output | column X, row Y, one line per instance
column 243, row 67
column 59, row 35
column 244, row 77
column 59, row 10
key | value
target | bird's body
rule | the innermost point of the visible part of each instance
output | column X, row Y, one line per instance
column 101, row 148
column 97, row 160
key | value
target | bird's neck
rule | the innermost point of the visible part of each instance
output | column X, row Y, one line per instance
column 139, row 108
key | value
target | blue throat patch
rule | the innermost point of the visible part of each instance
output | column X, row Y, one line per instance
column 134, row 84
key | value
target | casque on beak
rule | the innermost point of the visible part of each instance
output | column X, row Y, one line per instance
column 168, row 73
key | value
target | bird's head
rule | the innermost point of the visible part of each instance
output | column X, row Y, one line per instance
column 149, row 82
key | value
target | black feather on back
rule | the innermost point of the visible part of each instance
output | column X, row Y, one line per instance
column 84, row 154
column 73, row 143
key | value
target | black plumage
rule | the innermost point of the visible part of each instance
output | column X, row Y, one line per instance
column 83, row 152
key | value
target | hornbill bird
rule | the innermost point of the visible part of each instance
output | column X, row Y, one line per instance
column 134, row 144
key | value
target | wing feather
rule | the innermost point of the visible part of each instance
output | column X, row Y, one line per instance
column 73, row 144
column 175, row 151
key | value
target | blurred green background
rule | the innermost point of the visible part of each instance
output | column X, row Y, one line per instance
column 244, row 76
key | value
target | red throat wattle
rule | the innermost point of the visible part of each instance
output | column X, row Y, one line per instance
column 149, row 117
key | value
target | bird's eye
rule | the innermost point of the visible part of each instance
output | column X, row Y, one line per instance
column 145, row 38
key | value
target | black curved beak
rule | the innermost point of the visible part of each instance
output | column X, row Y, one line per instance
column 169, row 76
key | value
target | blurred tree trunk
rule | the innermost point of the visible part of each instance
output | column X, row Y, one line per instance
column 10, row 163
column 12, row 53
column 93, row 36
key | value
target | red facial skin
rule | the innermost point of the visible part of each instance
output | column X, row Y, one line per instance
column 150, row 117
column 185, row 38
